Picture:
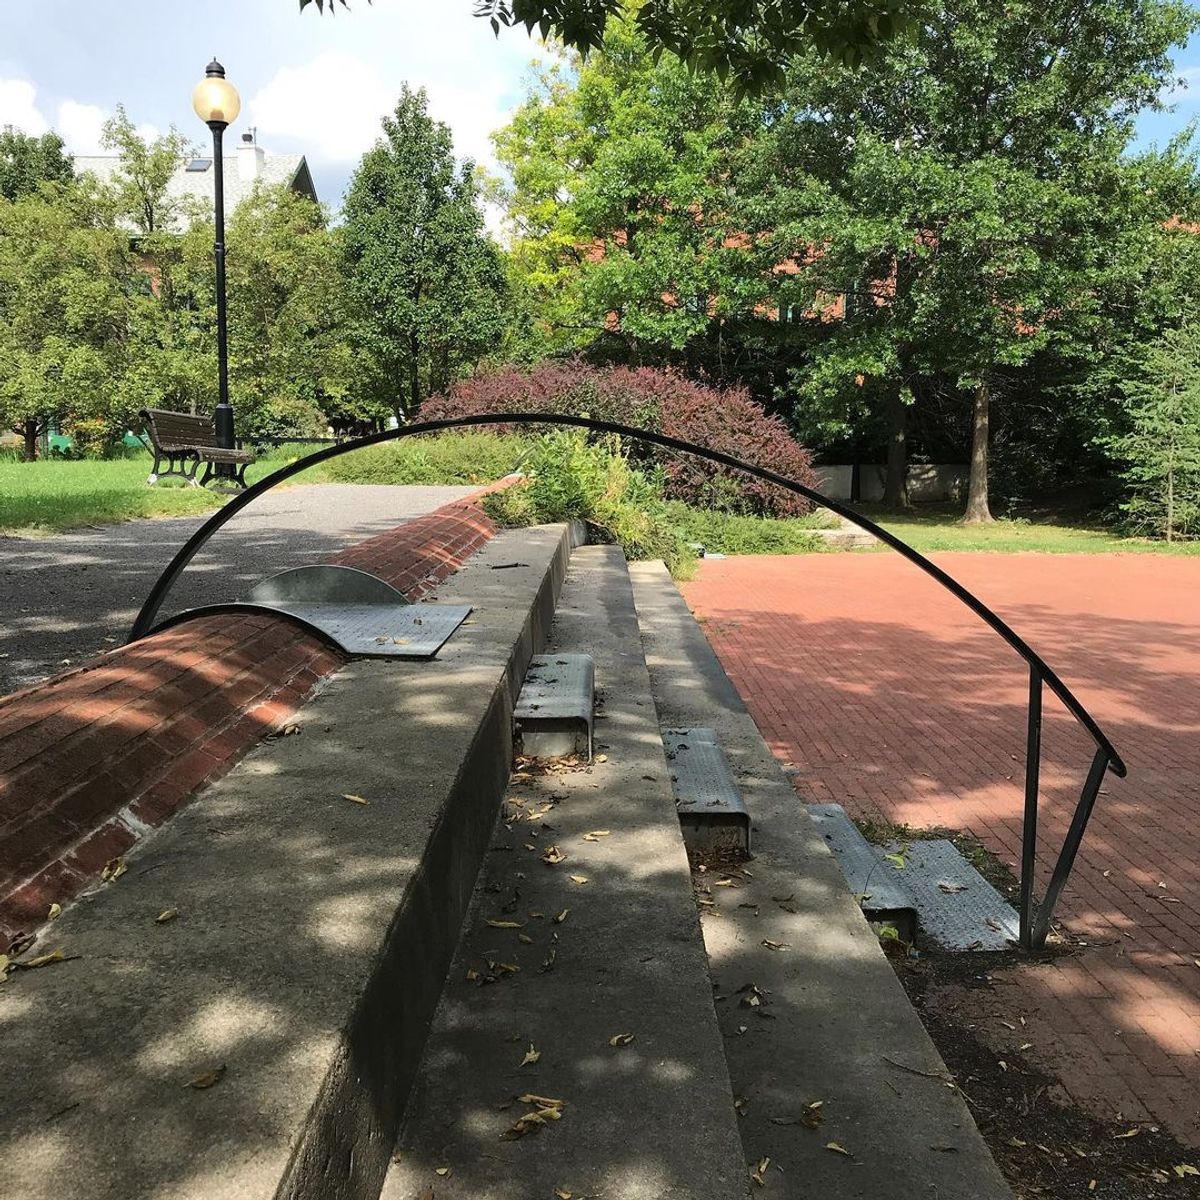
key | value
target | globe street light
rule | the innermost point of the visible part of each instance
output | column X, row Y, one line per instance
column 217, row 104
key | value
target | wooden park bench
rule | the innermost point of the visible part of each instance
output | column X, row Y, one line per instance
column 184, row 442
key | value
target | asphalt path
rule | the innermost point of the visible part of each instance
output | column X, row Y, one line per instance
column 68, row 597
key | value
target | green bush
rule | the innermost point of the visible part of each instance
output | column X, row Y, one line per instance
column 568, row 477
column 729, row 533
column 446, row 458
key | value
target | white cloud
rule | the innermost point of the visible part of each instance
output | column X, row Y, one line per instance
column 80, row 125
column 19, row 109
column 330, row 106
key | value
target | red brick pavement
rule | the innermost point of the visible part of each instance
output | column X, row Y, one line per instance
column 891, row 698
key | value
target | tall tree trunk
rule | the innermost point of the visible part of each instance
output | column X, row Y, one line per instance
column 977, row 490
column 895, row 488
column 31, row 439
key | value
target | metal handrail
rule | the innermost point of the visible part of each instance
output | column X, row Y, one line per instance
column 1033, row 929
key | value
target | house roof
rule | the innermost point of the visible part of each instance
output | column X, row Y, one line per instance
column 196, row 184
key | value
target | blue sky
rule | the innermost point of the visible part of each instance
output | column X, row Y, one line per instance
column 309, row 84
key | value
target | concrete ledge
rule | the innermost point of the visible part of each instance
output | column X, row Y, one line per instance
column 311, row 938
column 89, row 758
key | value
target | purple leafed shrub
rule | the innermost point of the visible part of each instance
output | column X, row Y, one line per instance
column 718, row 419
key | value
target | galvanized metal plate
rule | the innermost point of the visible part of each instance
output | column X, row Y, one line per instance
column 325, row 583
column 555, row 710
column 878, row 884
column 707, row 796
column 956, row 907
column 383, row 630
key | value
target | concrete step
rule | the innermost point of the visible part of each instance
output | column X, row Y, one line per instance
column 809, row 1006
column 241, row 1013
column 601, row 974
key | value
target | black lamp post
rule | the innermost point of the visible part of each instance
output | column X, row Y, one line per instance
column 217, row 104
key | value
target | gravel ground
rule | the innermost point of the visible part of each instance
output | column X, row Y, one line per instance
column 67, row 597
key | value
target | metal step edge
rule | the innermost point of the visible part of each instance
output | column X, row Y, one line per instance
column 712, row 813
column 555, row 710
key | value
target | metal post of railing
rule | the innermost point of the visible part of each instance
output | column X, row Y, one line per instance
column 1066, row 857
column 1033, row 762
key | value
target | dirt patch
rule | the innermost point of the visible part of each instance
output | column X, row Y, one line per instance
column 1045, row 1145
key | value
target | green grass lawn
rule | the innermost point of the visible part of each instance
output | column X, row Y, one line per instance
column 49, row 496
column 938, row 527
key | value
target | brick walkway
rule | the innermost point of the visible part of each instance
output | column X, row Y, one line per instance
column 892, row 699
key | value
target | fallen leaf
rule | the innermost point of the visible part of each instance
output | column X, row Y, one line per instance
column 563, row 1194
column 562, row 916
column 4, row 965
column 1129, row 1133
column 114, row 869
column 548, row 961
column 505, row 924
column 444, row 1172
column 759, row 1171
column 540, row 1101
column 531, row 1055
column 42, row 960
column 602, row 758
column 897, row 860
column 952, row 889
column 621, row 1039
column 553, row 856
column 770, row 945
column 579, row 879
column 353, row 798
column 54, row 913
column 1026, row 1046
column 207, row 1079
column 524, row 937
column 837, row 1149
column 1185, row 1169
column 596, row 835
column 167, row 914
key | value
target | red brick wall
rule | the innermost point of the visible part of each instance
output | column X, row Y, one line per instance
column 89, row 758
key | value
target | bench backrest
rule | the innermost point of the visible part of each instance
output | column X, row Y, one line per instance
column 175, row 431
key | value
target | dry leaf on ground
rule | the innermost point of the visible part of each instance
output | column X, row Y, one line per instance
column 837, row 1149
column 206, row 1079
column 621, row 1039
column 167, row 914
column 353, row 798
column 114, row 869
column 579, row 879
column 531, row 1055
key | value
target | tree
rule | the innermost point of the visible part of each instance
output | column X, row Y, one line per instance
column 426, row 283
column 748, row 41
column 146, row 170
column 1160, row 447
column 65, row 280
column 964, row 193
column 26, row 162
column 621, row 198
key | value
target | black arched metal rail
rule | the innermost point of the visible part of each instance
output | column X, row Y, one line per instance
column 1035, row 919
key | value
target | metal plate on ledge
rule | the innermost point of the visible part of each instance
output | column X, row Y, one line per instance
column 712, row 813
column 554, row 712
column 956, row 907
column 878, row 884
column 365, row 616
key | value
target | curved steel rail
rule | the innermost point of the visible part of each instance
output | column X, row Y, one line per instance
column 1033, row 931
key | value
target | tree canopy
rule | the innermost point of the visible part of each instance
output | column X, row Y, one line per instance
column 748, row 42
column 27, row 161
column 426, row 282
